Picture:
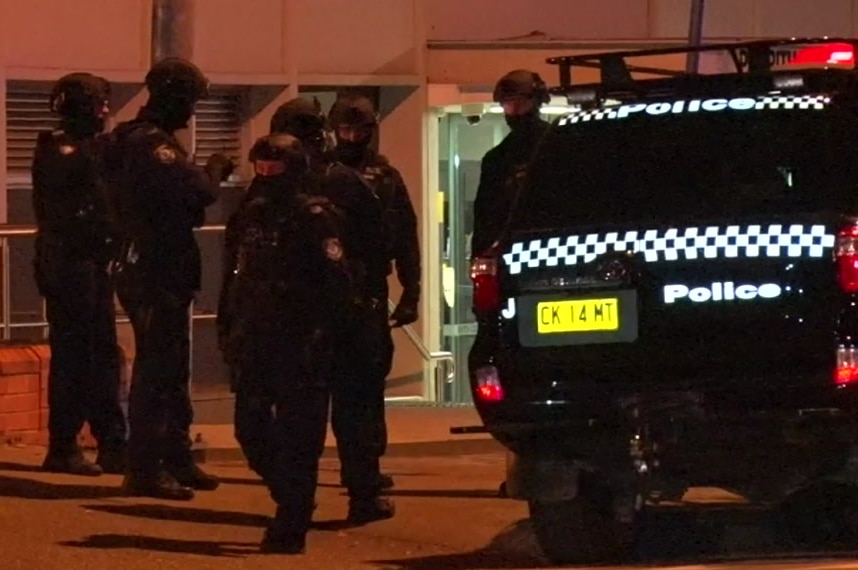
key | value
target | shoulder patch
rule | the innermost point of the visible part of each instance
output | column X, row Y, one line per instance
column 333, row 249
column 317, row 204
column 165, row 154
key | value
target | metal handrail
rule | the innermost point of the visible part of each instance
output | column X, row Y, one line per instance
column 429, row 356
column 12, row 231
column 8, row 231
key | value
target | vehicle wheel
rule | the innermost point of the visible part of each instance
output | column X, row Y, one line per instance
column 581, row 531
column 823, row 515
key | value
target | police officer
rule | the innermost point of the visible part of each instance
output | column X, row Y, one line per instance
column 285, row 298
column 382, row 231
column 521, row 93
column 160, row 196
column 73, row 249
column 303, row 119
column 280, row 167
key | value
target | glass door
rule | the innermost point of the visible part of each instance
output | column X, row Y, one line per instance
column 462, row 146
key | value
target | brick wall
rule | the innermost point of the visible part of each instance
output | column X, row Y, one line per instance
column 24, row 394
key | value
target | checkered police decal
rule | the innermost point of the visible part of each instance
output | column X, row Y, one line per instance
column 815, row 102
column 674, row 244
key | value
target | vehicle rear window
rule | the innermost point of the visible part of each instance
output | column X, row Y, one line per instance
column 681, row 166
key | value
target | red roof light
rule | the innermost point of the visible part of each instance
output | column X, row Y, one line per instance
column 825, row 54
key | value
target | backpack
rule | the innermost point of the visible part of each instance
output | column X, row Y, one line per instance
column 286, row 277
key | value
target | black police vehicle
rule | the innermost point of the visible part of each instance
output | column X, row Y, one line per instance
column 673, row 303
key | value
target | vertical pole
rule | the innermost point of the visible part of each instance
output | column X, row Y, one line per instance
column 695, row 35
column 172, row 29
column 173, row 36
column 7, row 289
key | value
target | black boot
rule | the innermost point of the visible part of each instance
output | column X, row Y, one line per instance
column 385, row 482
column 72, row 462
column 364, row 511
column 285, row 534
column 160, row 486
column 112, row 459
column 194, row 477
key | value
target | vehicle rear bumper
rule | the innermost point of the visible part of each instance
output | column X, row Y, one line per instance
column 760, row 455
column 544, row 393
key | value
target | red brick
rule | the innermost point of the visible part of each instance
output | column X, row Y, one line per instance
column 20, row 403
column 42, row 352
column 18, row 360
column 11, row 422
column 28, row 438
column 19, row 384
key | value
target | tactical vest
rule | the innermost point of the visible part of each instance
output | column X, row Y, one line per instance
column 272, row 293
column 378, row 241
column 260, row 256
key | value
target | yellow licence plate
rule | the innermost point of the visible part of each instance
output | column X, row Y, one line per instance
column 578, row 316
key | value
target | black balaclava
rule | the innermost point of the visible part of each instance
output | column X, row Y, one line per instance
column 358, row 113
column 302, row 119
column 279, row 160
column 175, row 85
column 81, row 99
column 522, row 83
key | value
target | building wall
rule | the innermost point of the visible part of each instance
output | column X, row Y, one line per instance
column 260, row 57
column 598, row 20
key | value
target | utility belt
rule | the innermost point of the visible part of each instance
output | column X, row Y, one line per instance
column 92, row 244
column 369, row 303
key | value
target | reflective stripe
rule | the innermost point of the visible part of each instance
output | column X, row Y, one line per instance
column 269, row 167
column 662, row 108
column 674, row 244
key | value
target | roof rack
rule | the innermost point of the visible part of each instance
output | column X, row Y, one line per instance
column 616, row 72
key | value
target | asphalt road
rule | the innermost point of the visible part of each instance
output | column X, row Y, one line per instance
column 449, row 518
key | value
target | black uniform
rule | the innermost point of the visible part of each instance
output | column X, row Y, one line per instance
column 279, row 189
column 73, row 249
column 382, row 232
column 503, row 167
column 285, row 305
column 159, row 197
column 302, row 119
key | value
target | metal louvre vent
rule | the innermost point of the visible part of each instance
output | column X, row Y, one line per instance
column 217, row 125
column 27, row 113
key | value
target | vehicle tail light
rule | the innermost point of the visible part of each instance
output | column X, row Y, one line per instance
column 488, row 387
column 846, row 253
column 847, row 366
column 825, row 54
column 486, row 285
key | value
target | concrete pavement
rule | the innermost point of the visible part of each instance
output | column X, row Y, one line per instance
column 448, row 518
column 412, row 430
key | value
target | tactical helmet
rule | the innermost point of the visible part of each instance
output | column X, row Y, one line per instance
column 353, row 110
column 79, row 93
column 283, row 149
column 521, row 83
column 297, row 117
column 177, row 77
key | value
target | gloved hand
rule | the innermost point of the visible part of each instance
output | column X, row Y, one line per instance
column 219, row 167
column 404, row 314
